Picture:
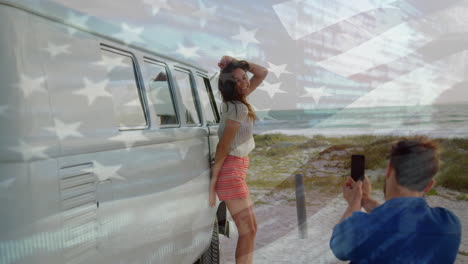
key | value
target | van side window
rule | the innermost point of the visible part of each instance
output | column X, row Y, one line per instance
column 126, row 93
column 160, row 94
column 208, row 103
column 187, row 92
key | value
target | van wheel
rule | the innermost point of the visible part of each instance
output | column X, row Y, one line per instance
column 211, row 255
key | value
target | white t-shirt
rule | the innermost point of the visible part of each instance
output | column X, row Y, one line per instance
column 243, row 143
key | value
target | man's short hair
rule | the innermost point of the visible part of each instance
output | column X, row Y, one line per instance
column 415, row 161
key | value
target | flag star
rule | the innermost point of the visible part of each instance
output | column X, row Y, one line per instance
column 3, row 109
column 129, row 138
column 135, row 102
column 130, row 34
column 157, row 5
column 6, row 184
column 92, row 90
column 316, row 93
column 55, row 50
column 271, row 88
column 77, row 20
column 204, row 13
column 103, row 172
column 246, row 36
column 265, row 113
column 111, row 63
column 28, row 85
column 277, row 69
column 65, row 130
column 29, row 151
column 188, row 52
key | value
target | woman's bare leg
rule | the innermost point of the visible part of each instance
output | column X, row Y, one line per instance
column 241, row 211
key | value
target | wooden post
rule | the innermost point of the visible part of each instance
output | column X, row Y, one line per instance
column 300, row 206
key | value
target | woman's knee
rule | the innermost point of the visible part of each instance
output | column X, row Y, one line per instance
column 253, row 231
column 248, row 233
column 244, row 217
column 247, row 228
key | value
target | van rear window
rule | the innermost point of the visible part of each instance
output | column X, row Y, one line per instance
column 126, row 94
column 160, row 94
column 187, row 92
column 207, row 100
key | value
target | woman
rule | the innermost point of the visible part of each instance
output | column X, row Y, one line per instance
column 235, row 143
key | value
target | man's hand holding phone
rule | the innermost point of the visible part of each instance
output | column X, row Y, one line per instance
column 366, row 188
column 352, row 191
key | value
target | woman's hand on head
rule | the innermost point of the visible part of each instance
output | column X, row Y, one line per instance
column 225, row 60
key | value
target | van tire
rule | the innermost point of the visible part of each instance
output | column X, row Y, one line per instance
column 212, row 254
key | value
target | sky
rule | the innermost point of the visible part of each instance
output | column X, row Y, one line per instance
column 320, row 53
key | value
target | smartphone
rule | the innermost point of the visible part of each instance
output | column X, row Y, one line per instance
column 357, row 167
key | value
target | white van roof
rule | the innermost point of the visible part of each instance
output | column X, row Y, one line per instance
column 61, row 14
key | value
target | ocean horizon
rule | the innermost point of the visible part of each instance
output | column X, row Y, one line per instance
column 437, row 121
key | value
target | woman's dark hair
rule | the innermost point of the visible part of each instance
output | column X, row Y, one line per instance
column 227, row 85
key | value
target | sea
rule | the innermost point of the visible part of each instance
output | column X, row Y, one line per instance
column 437, row 121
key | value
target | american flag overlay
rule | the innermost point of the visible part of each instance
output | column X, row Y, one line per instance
column 320, row 54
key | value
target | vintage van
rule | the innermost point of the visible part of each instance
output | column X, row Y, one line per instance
column 104, row 147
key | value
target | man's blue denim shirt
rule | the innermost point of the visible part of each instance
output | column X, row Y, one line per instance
column 402, row 230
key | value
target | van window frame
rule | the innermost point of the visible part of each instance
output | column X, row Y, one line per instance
column 209, row 91
column 193, row 85
column 172, row 91
column 138, row 81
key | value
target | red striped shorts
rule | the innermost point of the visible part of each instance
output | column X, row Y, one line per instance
column 231, row 178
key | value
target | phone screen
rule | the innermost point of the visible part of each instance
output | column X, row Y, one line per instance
column 357, row 167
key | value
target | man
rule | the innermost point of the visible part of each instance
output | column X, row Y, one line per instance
column 404, row 229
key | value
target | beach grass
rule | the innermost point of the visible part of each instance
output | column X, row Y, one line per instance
column 272, row 139
column 462, row 197
column 453, row 172
column 278, row 157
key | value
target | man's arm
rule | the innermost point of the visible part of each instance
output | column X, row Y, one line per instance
column 367, row 202
column 354, row 207
column 352, row 192
column 344, row 234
